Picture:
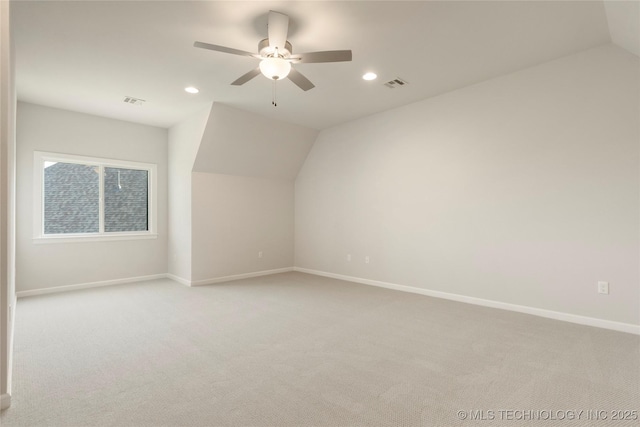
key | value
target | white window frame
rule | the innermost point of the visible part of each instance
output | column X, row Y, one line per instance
column 39, row 159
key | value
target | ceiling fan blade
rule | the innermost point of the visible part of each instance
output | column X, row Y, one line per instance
column 224, row 49
column 277, row 27
column 301, row 81
column 246, row 77
column 326, row 56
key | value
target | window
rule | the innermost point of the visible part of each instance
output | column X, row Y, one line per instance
column 83, row 198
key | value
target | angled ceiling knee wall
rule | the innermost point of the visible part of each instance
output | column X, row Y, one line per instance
column 242, row 194
column 184, row 141
column 236, row 142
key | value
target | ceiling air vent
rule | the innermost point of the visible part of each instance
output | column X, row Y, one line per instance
column 133, row 101
column 397, row 82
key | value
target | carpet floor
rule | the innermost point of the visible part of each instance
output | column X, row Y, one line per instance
column 298, row 350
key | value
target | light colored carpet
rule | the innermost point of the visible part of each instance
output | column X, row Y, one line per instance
column 298, row 350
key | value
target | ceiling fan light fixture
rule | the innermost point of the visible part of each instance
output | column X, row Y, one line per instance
column 275, row 68
column 276, row 55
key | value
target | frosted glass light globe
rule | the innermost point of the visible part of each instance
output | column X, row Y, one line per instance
column 275, row 68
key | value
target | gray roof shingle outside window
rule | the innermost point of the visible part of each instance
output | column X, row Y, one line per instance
column 125, row 200
column 71, row 199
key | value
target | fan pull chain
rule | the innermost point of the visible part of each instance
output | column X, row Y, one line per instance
column 273, row 94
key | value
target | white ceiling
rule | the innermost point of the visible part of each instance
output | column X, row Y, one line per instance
column 86, row 56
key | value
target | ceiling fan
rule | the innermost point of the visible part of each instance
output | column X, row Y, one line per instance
column 276, row 55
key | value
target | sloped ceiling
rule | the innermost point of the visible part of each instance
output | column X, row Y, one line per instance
column 236, row 142
column 87, row 55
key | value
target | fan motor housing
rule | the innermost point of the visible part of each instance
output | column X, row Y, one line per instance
column 265, row 51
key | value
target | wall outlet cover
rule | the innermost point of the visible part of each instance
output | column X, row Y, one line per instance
column 603, row 288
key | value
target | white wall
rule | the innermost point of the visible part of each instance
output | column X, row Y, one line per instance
column 242, row 194
column 7, row 201
column 184, row 140
column 523, row 189
column 234, row 218
column 49, row 265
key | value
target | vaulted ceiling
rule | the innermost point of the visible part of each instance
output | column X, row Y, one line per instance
column 87, row 56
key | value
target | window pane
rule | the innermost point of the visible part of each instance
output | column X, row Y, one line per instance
column 126, row 200
column 71, row 198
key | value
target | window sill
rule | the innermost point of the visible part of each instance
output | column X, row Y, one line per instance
column 93, row 238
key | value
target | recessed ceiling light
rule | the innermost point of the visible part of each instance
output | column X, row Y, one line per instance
column 370, row 76
column 191, row 89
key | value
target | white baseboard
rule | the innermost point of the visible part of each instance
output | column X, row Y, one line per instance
column 67, row 288
column 239, row 276
column 178, row 279
column 186, row 282
column 5, row 401
column 573, row 318
column 12, row 328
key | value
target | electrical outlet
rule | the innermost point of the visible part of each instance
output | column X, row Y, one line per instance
column 366, row 260
column 603, row 288
column 349, row 257
column 260, row 254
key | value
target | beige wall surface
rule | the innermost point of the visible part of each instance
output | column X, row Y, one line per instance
column 184, row 141
column 7, row 199
column 523, row 189
column 242, row 193
column 235, row 218
column 47, row 265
